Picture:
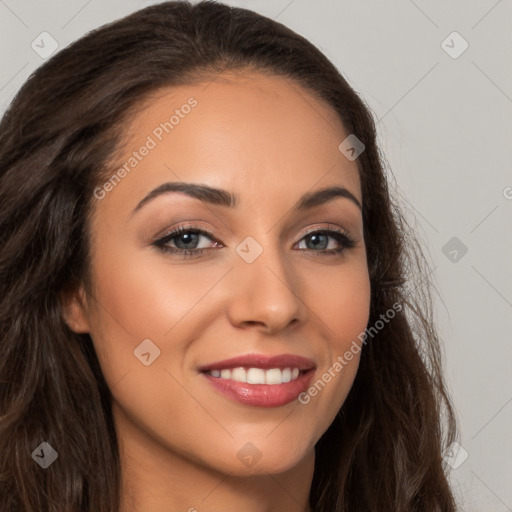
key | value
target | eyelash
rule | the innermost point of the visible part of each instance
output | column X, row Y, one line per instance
column 338, row 234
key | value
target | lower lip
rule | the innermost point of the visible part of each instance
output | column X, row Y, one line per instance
column 262, row 395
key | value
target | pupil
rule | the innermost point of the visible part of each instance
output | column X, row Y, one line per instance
column 185, row 237
column 313, row 237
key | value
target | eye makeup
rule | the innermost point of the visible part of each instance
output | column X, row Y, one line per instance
column 190, row 233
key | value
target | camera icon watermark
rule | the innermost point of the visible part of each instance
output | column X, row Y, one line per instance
column 455, row 455
column 146, row 352
column 454, row 249
column 351, row 147
column 45, row 455
column 249, row 455
column 454, row 45
column 44, row 45
column 249, row 249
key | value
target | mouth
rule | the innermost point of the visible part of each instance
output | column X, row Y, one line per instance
column 261, row 381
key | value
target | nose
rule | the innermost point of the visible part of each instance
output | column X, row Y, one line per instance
column 266, row 293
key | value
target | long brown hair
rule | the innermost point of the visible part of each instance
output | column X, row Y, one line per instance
column 383, row 451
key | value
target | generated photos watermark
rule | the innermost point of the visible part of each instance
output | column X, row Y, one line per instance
column 157, row 135
column 342, row 360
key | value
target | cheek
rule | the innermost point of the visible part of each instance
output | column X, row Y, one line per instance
column 137, row 301
column 343, row 303
column 129, row 306
column 138, row 296
column 349, row 325
column 140, row 299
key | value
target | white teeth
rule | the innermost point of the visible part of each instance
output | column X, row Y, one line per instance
column 273, row 376
column 257, row 375
column 238, row 374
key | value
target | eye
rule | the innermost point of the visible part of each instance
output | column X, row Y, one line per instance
column 187, row 238
column 319, row 239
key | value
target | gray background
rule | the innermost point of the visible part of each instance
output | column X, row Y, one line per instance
column 445, row 126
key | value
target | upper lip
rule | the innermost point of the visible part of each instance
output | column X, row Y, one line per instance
column 262, row 361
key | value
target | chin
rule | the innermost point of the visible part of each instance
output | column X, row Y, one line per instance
column 266, row 460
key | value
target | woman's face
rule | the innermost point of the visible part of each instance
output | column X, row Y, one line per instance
column 166, row 307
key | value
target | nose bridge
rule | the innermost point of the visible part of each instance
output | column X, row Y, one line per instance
column 265, row 288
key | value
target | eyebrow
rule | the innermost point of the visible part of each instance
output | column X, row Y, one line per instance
column 221, row 197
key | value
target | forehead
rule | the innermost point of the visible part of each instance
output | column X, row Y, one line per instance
column 236, row 131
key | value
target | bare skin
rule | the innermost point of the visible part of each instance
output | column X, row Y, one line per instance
column 268, row 141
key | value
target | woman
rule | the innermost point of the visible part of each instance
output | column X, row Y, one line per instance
column 207, row 292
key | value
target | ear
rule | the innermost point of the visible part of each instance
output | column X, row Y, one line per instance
column 74, row 309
